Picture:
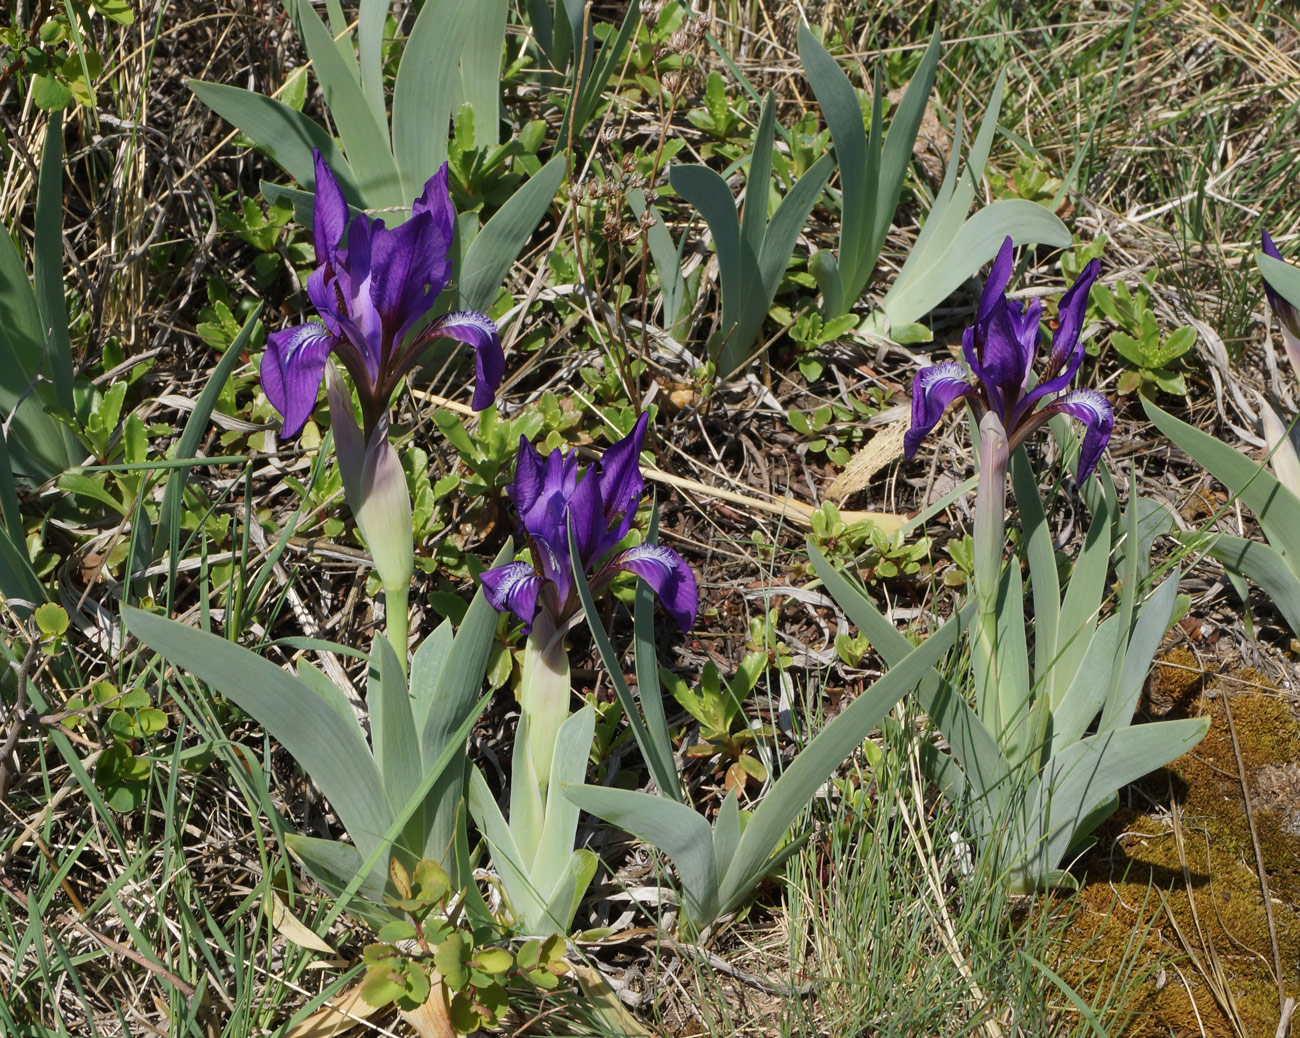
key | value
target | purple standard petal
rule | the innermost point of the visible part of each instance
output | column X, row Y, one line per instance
column 1094, row 411
column 1005, row 352
column 352, row 307
column 329, row 212
column 999, row 278
column 585, row 511
column 411, row 273
column 476, row 330
column 933, row 389
column 514, row 588
column 667, row 574
column 621, row 484
column 436, row 201
column 292, row 368
column 1067, row 351
column 530, row 470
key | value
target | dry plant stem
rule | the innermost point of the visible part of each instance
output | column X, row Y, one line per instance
column 1284, row 1024
column 1259, row 855
column 939, row 912
column 16, row 723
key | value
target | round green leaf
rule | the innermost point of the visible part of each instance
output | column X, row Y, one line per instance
column 50, row 93
column 51, row 619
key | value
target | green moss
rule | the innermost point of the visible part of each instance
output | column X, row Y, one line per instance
column 1134, row 881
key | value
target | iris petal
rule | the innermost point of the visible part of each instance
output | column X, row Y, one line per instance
column 513, row 587
column 667, row 574
column 436, row 201
column 529, row 471
column 999, row 278
column 329, row 212
column 621, row 484
column 1067, row 351
column 587, row 514
column 476, row 330
column 292, row 368
column 1094, row 411
column 933, row 389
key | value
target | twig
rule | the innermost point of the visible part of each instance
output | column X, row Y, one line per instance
column 1284, row 1024
column 1259, row 856
column 16, row 724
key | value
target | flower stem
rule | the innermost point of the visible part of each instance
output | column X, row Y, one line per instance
column 396, row 621
column 544, row 693
column 990, row 539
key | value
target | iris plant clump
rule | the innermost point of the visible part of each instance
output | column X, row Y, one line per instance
column 599, row 504
column 373, row 289
column 1000, row 350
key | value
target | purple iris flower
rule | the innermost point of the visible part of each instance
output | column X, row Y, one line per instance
column 600, row 502
column 1000, row 350
column 1288, row 316
column 372, row 287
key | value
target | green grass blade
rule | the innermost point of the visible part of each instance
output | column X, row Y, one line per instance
column 480, row 69
column 709, row 194
column 1274, row 505
column 392, row 726
column 587, row 94
column 648, row 689
column 169, row 526
column 972, row 746
column 839, row 105
column 426, row 671
column 1036, row 535
column 664, row 772
column 1153, row 619
column 1267, row 568
column 560, row 826
column 371, row 16
column 1081, row 605
column 1282, row 277
column 39, row 446
column 896, row 156
column 364, row 137
column 443, row 736
column 1086, row 774
column 758, row 185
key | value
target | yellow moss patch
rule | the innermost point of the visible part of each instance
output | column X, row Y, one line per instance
column 1136, row 862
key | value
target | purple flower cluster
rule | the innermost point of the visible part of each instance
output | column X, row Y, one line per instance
column 372, row 287
column 1000, row 350
column 600, row 503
